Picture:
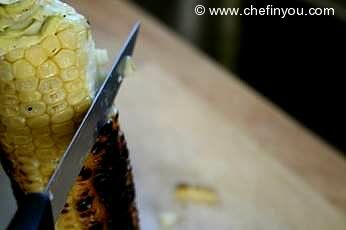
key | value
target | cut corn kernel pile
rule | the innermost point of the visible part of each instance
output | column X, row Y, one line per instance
column 48, row 70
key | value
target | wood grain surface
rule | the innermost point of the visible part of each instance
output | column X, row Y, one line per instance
column 188, row 120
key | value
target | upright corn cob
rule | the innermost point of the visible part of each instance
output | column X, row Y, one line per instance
column 48, row 71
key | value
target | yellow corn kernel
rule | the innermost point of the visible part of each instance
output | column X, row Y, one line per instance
column 29, row 84
column 9, row 110
column 47, row 69
column 70, row 74
column 65, row 58
column 46, row 154
column 36, row 55
column 8, row 148
column 52, row 45
column 58, row 107
column 25, row 149
column 29, row 96
column 62, row 116
column 68, row 39
column 22, row 69
column 83, row 105
column 42, row 130
column 74, row 86
column 38, row 122
column 43, row 141
column 54, row 97
column 8, row 100
column 6, row 71
column 33, row 109
column 50, row 85
column 7, row 87
column 63, row 128
column 76, row 97
column 15, row 55
column 16, row 122
column 19, row 131
column 82, row 58
column 21, row 140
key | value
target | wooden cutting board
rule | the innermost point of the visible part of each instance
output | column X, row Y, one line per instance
column 188, row 120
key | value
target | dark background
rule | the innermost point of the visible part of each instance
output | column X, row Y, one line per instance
column 297, row 62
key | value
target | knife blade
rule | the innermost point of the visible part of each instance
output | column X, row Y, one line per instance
column 8, row 201
column 72, row 161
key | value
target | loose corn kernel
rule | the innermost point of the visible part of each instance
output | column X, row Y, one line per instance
column 65, row 58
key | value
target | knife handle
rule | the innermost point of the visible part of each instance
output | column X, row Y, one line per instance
column 34, row 213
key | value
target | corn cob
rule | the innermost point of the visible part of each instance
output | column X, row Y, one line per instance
column 103, row 195
column 48, row 72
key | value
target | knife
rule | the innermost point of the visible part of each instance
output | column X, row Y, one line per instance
column 72, row 160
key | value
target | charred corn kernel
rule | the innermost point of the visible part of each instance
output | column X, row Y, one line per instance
column 38, row 121
column 36, row 55
column 29, row 84
column 22, row 69
column 47, row 69
column 70, row 74
column 65, row 58
column 29, row 96
column 15, row 55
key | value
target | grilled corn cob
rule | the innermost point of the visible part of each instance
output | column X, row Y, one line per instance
column 103, row 195
column 48, row 73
